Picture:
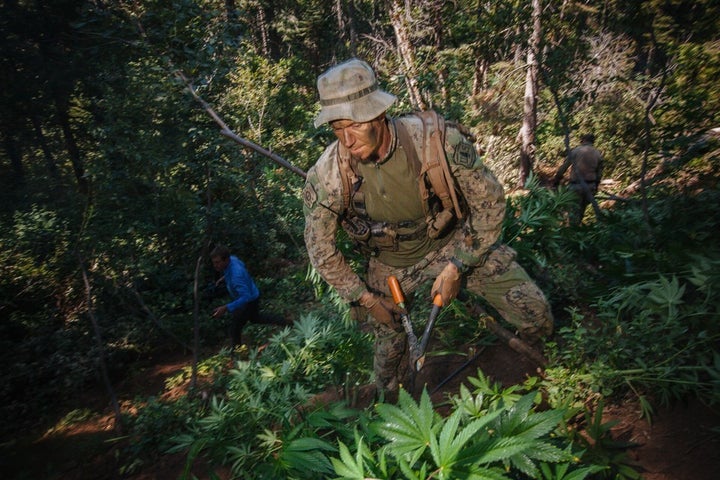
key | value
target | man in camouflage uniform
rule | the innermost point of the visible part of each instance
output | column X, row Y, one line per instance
column 585, row 175
column 403, row 238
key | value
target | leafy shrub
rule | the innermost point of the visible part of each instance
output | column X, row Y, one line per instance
column 490, row 433
column 263, row 393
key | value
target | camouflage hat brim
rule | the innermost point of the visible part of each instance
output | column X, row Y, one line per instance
column 361, row 106
column 350, row 91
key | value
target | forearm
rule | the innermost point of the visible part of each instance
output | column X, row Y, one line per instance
column 335, row 270
column 486, row 202
column 328, row 261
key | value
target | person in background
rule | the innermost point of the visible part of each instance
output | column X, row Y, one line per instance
column 244, row 306
column 585, row 163
column 382, row 181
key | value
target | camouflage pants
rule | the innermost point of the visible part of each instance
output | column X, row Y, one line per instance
column 584, row 198
column 500, row 280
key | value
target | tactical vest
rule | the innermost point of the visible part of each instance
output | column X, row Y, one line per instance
column 442, row 203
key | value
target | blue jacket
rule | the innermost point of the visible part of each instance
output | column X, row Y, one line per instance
column 240, row 285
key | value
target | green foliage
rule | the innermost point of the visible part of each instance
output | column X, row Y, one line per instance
column 533, row 220
column 639, row 297
column 153, row 427
column 256, row 425
column 505, row 439
column 662, row 341
column 557, row 257
column 606, row 454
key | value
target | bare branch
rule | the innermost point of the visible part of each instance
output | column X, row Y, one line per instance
column 225, row 131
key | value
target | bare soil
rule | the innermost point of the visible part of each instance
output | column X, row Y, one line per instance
column 678, row 445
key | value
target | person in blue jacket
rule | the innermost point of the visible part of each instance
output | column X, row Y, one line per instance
column 244, row 306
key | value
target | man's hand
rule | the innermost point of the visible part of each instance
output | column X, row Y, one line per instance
column 447, row 284
column 382, row 308
column 219, row 311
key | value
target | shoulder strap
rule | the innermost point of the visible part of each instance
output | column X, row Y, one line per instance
column 405, row 140
column 347, row 175
column 435, row 165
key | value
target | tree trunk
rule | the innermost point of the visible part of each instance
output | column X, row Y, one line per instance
column 527, row 131
column 480, row 76
column 262, row 25
column 196, row 321
column 70, row 143
column 49, row 159
column 13, row 152
column 346, row 24
column 647, row 140
column 436, row 9
column 230, row 11
column 351, row 26
column 406, row 52
column 102, row 363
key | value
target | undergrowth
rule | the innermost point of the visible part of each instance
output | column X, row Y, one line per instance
column 637, row 319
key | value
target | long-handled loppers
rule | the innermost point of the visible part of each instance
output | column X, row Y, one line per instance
column 417, row 347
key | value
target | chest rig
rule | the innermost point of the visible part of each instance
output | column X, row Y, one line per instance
column 442, row 204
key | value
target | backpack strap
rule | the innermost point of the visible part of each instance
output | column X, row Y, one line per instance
column 406, row 142
column 435, row 165
column 348, row 176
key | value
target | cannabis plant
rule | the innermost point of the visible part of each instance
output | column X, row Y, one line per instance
column 259, row 425
column 415, row 442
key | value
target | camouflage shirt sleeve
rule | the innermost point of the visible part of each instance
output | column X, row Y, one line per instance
column 322, row 200
column 483, row 194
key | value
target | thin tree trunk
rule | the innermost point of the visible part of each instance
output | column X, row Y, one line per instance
column 436, row 8
column 351, row 26
column 264, row 34
column 49, row 159
column 480, row 75
column 406, row 52
column 346, row 24
column 527, row 131
column 13, row 152
column 102, row 364
column 647, row 140
column 204, row 253
column 196, row 322
column 71, row 145
column 338, row 9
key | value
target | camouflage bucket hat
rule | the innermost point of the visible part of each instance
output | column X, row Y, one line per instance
column 349, row 91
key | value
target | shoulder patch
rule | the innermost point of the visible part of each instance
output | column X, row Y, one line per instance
column 464, row 155
column 309, row 196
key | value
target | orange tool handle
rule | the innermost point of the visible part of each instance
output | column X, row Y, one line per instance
column 396, row 290
column 438, row 301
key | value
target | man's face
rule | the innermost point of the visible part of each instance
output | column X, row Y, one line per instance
column 363, row 140
column 219, row 263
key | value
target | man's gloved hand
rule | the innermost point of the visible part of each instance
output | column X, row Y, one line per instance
column 382, row 308
column 447, row 284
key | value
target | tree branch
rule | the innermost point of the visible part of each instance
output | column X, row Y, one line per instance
column 225, row 131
